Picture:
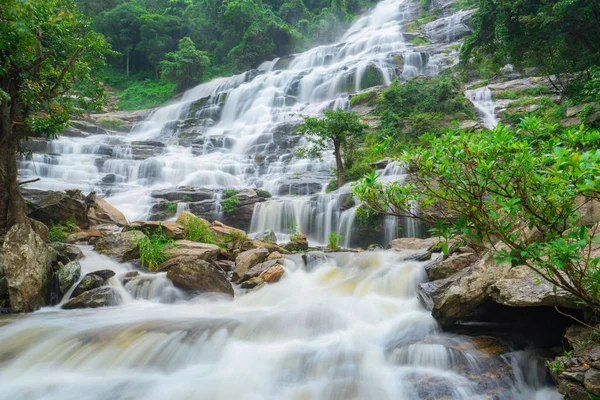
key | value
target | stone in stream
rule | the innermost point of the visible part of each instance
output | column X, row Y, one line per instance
column 257, row 270
column 298, row 242
column 89, row 282
column 187, row 248
column 267, row 236
column 246, row 260
column 100, row 211
column 121, row 246
column 198, row 276
column 273, row 274
column 105, row 296
column 68, row 275
column 27, row 268
column 57, row 207
column 66, row 252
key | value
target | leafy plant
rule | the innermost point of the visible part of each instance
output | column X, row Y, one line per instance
column 171, row 209
column 56, row 233
column 227, row 193
column 331, row 186
column 186, row 199
column 333, row 241
column 263, row 193
column 368, row 218
column 236, row 238
column 152, row 249
column 231, row 204
column 198, row 231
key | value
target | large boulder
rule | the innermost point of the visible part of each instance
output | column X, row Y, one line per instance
column 198, row 276
column 187, row 248
column 172, row 230
column 41, row 229
column 185, row 218
column 247, row 260
column 257, row 270
column 121, row 246
column 100, row 211
column 256, row 244
column 441, row 269
column 222, row 231
column 66, row 252
column 27, row 268
column 298, row 242
column 273, row 274
column 105, row 296
column 402, row 244
column 57, row 207
column 68, row 274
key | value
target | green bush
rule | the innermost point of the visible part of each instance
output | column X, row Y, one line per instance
column 227, row 193
column 263, row 193
column 146, row 94
column 152, row 249
column 367, row 218
column 171, row 209
column 419, row 41
column 331, row 186
column 334, row 240
column 56, row 233
column 365, row 97
column 357, row 171
column 231, row 204
column 197, row 230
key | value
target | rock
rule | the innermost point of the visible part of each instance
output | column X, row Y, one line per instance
column 68, row 275
column 186, row 194
column 429, row 293
column 99, row 297
column 419, row 256
column 172, row 230
column 41, row 229
column 248, row 259
column 251, row 283
column 100, row 211
column 346, row 201
column 27, row 268
column 299, row 242
column 257, row 270
column 592, row 381
column 197, row 276
column 273, row 274
column 570, row 122
column 77, row 237
column 129, row 276
column 522, row 287
column 449, row 28
column 412, row 243
column 89, row 282
column 222, row 230
column 66, row 252
column 450, row 266
column 57, row 207
column 185, row 218
column 573, row 111
column 4, row 299
column 469, row 125
column 275, row 256
column 268, row 236
column 105, row 274
column 121, row 246
column 187, row 248
column 225, row 265
column 255, row 244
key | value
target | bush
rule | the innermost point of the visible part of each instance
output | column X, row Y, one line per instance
column 263, row 193
column 333, row 241
column 231, row 204
column 227, row 193
column 152, row 249
column 367, row 218
column 331, row 186
column 146, row 94
column 171, row 209
column 365, row 97
column 235, row 238
column 197, row 230
column 56, row 233
column 357, row 171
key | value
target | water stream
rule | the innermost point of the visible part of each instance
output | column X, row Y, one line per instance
column 340, row 326
column 237, row 132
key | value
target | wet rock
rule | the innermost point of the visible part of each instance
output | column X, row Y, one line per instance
column 105, row 274
column 275, row 256
column 242, row 216
column 223, row 231
column 412, row 243
column 99, row 297
column 300, row 187
column 197, row 276
column 273, row 274
column 184, row 194
column 450, row 28
column 268, row 236
column 469, row 125
column 248, row 259
column 592, row 381
column 346, row 201
column 66, row 252
column 225, row 265
column 251, row 283
column 255, row 244
column 40, row 228
column 419, row 256
column 27, row 264
column 68, row 275
column 57, row 207
column 172, row 230
column 121, row 246
column 129, row 276
column 257, row 270
column 187, row 248
column 100, row 211
column 450, row 266
column 299, row 242
column 89, row 282
column 78, row 237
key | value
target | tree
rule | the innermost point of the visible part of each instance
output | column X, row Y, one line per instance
column 338, row 128
column 522, row 193
column 46, row 50
column 186, row 66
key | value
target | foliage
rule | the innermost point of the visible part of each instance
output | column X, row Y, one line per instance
column 227, row 193
column 146, row 94
column 337, row 129
column 560, row 35
column 56, row 233
column 419, row 41
column 236, row 238
column 331, row 186
column 294, row 232
column 365, row 97
column 368, row 218
column 333, row 241
column 592, row 86
column 263, row 193
column 197, row 230
column 186, row 66
column 171, row 209
column 231, row 204
column 526, row 187
column 152, row 249
column 518, row 93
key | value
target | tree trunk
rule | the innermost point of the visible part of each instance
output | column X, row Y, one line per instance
column 339, row 163
column 13, row 209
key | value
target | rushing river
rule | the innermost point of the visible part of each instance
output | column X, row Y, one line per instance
column 346, row 326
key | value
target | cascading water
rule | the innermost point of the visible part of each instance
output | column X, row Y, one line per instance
column 484, row 105
column 237, row 132
column 339, row 326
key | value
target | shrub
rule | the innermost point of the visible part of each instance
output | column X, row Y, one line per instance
column 146, row 94
column 367, row 218
column 235, row 238
column 197, row 230
column 263, row 193
column 333, row 241
column 171, row 209
column 227, row 193
column 152, row 249
column 365, row 97
column 331, row 186
column 231, row 204
column 56, row 233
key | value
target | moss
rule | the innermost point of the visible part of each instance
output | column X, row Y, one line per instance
column 419, row 41
column 112, row 124
column 231, row 204
column 331, row 186
column 263, row 193
column 372, row 77
column 366, row 97
column 227, row 193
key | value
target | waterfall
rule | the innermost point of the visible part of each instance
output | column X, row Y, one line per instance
column 484, row 106
column 340, row 326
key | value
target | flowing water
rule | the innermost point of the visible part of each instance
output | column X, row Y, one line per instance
column 238, row 132
column 339, row 326
column 484, row 106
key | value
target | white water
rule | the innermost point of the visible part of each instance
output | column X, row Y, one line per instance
column 346, row 326
column 484, row 106
column 238, row 132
